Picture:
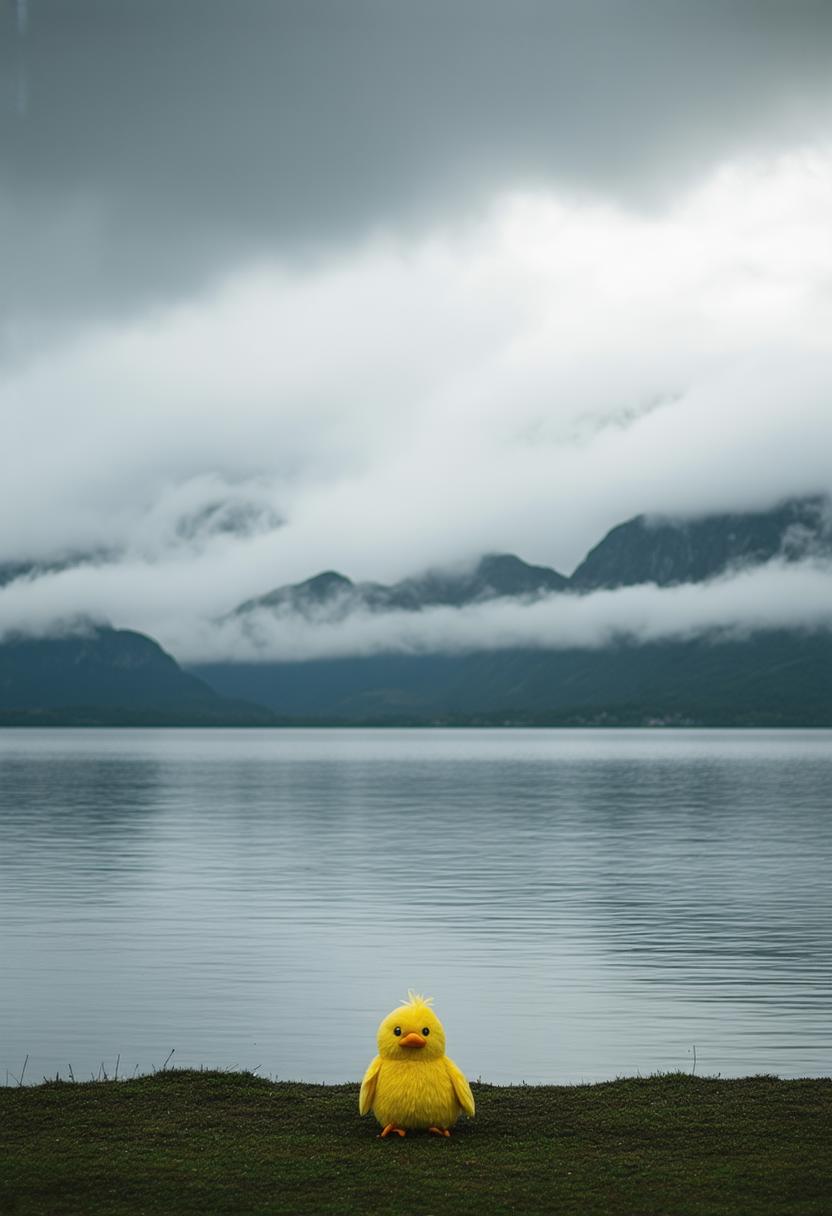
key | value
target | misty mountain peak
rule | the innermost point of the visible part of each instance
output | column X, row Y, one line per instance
column 510, row 575
column 322, row 589
column 665, row 551
column 325, row 585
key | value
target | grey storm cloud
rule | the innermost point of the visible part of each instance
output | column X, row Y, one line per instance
column 161, row 143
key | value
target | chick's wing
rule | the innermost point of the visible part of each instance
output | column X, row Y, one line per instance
column 461, row 1087
column 368, row 1087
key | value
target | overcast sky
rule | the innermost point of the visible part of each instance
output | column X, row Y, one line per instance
column 373, row 285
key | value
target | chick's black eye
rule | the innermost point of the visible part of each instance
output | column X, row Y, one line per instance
column 426, row 1031
column 397, row 1031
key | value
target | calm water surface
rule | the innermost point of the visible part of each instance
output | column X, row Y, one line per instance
column 582, row 904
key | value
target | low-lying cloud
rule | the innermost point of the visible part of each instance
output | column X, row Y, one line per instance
column 775, row 596
column 778, row 595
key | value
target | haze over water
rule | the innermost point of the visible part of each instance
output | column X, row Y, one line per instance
column 581, row 904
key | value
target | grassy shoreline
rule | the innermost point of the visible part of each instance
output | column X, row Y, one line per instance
column 209, row 1142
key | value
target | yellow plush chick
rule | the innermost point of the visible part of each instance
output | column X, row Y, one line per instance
column 411, row 1084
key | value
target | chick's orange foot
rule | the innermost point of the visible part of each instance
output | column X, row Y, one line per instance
column 439, row 1131
column 391, row 1130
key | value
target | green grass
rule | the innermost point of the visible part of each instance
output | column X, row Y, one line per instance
column 205, row 1142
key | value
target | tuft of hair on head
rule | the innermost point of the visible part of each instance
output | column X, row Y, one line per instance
column 416, row 998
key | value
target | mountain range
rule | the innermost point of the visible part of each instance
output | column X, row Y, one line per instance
column 643, row 550
column 773, row 677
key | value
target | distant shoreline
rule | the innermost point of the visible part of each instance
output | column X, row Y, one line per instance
column 139, row 722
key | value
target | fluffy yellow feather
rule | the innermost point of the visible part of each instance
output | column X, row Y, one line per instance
column 411, row 1084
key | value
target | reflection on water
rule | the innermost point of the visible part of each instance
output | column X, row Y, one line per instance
column 582, row 904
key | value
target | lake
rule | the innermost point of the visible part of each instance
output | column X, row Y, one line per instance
column 581, row 904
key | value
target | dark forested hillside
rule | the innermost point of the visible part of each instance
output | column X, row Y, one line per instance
column 105, row 675
column 771, row 679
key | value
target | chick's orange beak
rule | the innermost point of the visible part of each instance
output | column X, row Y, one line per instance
column 413, row 1040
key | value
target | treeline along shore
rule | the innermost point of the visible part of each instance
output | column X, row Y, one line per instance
column 220, row 1142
